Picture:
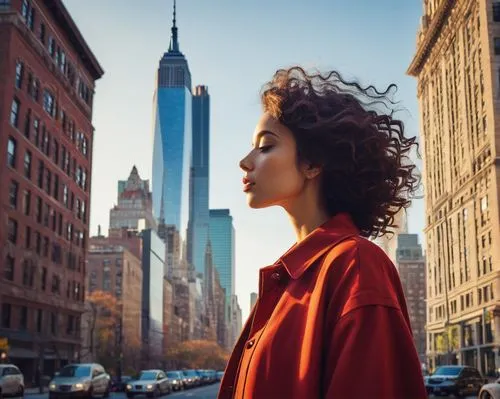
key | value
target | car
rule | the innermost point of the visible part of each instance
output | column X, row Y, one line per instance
column 80, row 380
column 177, row 380
column 11, row 381
column 152, row 383
column 220, row 374
column 119, row 385
column 457, row 380
column 490, row 391
column 193, row 379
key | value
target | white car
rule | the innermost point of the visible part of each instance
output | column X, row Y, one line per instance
column 11, row 381
column 490, row 391
column 152, row 383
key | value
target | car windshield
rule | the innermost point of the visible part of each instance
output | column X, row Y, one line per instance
column 172, row 374
column 147, row 375
column 190, row 373
column 75, row 371
column 447, row 371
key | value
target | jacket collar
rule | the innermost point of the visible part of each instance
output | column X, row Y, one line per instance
column 302, row 255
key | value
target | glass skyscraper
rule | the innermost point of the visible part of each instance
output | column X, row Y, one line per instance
column 221, row 235
column 172, row 144
column 198, row 201
column 153, row 260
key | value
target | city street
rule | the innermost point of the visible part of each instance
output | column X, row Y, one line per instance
column 206, row 392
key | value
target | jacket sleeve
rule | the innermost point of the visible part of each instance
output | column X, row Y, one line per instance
column 371, row 354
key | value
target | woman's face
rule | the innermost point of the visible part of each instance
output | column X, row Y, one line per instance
column 272, row 173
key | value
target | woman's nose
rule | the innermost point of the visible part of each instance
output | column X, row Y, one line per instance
column 245, row 163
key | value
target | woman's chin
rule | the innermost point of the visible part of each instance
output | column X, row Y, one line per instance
column 254, row 202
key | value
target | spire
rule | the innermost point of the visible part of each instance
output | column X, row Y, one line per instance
column 174, row 43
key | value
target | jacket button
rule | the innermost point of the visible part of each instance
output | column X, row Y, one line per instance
column 250, row 343
column 276, row 276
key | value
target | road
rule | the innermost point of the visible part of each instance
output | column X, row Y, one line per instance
column 206, row 392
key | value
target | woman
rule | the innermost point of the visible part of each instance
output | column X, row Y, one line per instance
column 331, row 319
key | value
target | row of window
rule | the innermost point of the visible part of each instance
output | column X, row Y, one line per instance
column 49, row 104
column 36, row 278
column 42, row 321
column 48, row 181
column 59, row 56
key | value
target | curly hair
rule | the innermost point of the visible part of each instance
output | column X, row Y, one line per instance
column 349, row 132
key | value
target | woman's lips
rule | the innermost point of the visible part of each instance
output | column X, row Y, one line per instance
column 247, row 187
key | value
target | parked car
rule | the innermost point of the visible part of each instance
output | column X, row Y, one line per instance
column 220, row 374
column 490, row 391
column 11, row 381
column 193, row 379
column 152, row 383
column 77, row 380
column 119, row 385
column 457, row 380
column 177, row 380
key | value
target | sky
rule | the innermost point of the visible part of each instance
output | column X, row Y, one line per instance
column 234, row 47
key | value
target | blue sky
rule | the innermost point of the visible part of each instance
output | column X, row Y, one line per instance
column 234, row 47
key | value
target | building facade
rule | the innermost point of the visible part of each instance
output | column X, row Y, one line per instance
column 198, row 195
column 410, row 263
column 113, row 269
column 253, row 300
column 134, row 210
column 172, row 145
column 46, row 98
column 457, row 63
column 153, row 263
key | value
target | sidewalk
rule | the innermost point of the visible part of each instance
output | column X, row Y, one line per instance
column 35, row 391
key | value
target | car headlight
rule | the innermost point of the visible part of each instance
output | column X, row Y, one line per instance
column 52, row 387
column 149, row 387
column 175, row 381
column 129, row 386
column 79, row 386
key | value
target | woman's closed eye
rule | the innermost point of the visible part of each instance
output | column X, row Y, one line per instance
column 265, row 148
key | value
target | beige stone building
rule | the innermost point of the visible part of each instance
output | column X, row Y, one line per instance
column 114, row 269
column 457, row 65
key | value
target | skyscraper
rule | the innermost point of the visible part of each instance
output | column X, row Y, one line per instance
column 172, row 140
column 457, row 65
column 410, row 262
column 222, row 240
column 198, row 201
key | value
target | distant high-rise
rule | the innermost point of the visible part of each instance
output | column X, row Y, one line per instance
column 411, row 266
column 172, row 141
column 134, row 209
column 198, row 201
column 253, row 300
column 222, row 240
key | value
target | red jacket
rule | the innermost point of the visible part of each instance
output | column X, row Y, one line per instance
column 330, row 322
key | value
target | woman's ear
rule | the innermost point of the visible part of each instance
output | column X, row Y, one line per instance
column 311, row 171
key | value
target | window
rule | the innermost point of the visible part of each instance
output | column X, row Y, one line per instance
column 56, row 284
column 38, row 210
column 11, row 152
column 30, row 22
column 13, row 190
column 27, row 238
column 41, row 168
column 42, row 33
column 497, row 45
column 46, row 247
column 28, row 273
column 36, row 130
column 53, row 323
column 27, row 124
column 51, row 46
column 35, row 89
column 23, row 319
column 6, row 312
column 55, row 151
column 39, row 320
column 12, row 230
column 48, row 102
column 48, row 181
column 26, row 202
column 25, row 9
column 43, row 281
column 56, row 187
column 8, row 272
column 19, row 74
column 65, row 195
column 46, row 213
column 14, row 112
column 27, row 164
column 38, row 243
column 70, row 325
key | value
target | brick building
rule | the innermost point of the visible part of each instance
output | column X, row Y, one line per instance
column 47, row 83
